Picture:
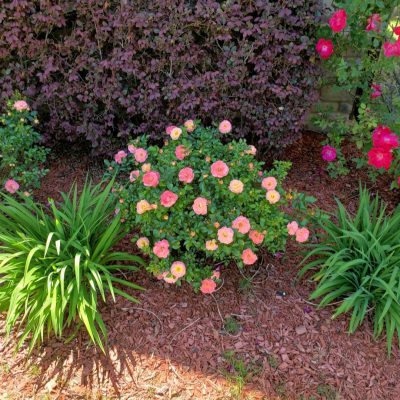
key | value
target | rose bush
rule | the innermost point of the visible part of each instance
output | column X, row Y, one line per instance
column 21, row 158
column 198, row 202
column 360, row 44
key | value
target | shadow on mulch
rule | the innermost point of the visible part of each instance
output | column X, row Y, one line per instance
column 172, row 344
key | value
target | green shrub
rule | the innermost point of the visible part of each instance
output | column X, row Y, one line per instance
column 358, row 262
column 199, row 202
column 54, row 264
column 21, row 158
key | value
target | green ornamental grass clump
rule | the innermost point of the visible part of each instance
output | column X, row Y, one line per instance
column 357, row 262
column 56, row 264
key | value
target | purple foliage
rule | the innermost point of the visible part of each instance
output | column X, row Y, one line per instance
column 102, row 70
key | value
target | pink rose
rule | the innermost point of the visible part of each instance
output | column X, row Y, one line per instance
column 120, row 156
column 269, row 183
column 21, row 105
column 134, row 175
column 328, row 153
column 161, row 249
column 373, row 23
column 338, row 21
column 11, row 186
column 225, row 235
column 292, row 228
column 219, row 169
column 225, row 127
column 131, row 148
column 200, row 206
column 376, row 91
column 242, row 224
column 186, row 175
column 168, row 198
column 140, row 155
column 256, row 237
column 324, row 48
column 302, row 235
column 248, row 257
column 151, row 178
column 216, row 274
column 208, row 286
column 169, row 278
column 169, row 129
column 181, row 152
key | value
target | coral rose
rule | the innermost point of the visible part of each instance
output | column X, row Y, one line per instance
column 151, row 179
column 242, row 224
column 302, row 235
column 181, row 152
column 249, row 257
column 168, row 198
column 11, row 186
column 219, row 169
column 186, row 175
column 140, row 155
column 208, row 286
column 161, row 249
column 256, row 237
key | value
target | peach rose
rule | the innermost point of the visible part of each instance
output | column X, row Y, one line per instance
column 225, row 127
column 142, row 206
column 151, row 179
column 140, row 155
column 169, row 278
column 252, row 150
column 208, row 286
column 256, row 237
column 273, row 196
column 175, row 133
column 248, row 257
column 178, row 269
column 161, row 249
column 225, row 235
column 200, row 206
column 242, row 224
column 236, row 186
column 146, row 167
column 219, row 169
column 269, row 183
column 168, row 198
column 211, row 245
column 189, row 125
column 186, row 175
column 142, row 242
column 292, row 228
column 302, row 235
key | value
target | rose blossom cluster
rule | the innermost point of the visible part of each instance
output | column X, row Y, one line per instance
column 338, row 23
column 384, row 142
column 178, row 183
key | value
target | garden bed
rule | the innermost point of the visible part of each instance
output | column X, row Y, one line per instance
column 174, row 345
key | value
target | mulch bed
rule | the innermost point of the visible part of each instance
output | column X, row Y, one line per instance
column 171, row 346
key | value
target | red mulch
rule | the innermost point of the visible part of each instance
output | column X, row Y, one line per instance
column 171, row 345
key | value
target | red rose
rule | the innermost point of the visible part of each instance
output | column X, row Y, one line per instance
column 324, row 48
column 338, row 21
column 380, row 158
